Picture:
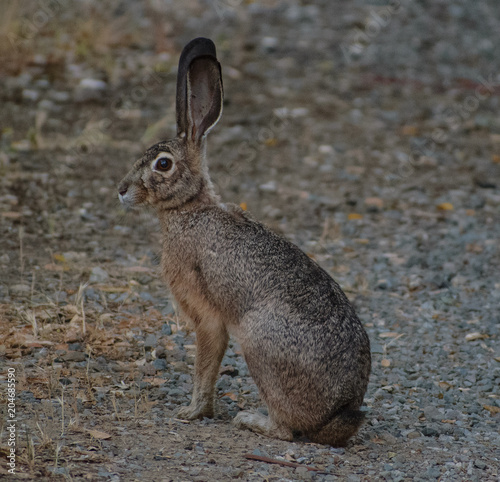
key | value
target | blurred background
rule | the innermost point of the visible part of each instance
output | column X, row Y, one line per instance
column 334, row 112
column 367, row 132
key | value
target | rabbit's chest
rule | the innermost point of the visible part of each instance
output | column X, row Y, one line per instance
column 192, row 290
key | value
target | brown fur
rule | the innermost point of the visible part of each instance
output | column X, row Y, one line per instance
column 304, row 345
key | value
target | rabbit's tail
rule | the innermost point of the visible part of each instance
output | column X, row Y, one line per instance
column 339, row 429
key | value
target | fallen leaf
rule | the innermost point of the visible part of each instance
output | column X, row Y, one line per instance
column 243, row 206
column 155, row 381
column 475, row 336
column 11, row 215
column 356, row 170
column 112, row 341
column 74, row 356
column 474, row 248
column 374, row 202
column 23, row 145
column 445, row 385
column 445, row 207
column 448, row 421
column 82, row 396
column 492, row 409
column 495, row 158
column 354, row 216
column 388, row 334
column 35, row 344
column 13, row 353
column 137, row 269
column 409, row 130
column 55, row 267
column 73, row 335
column 232, row 396
column 98, row 434
column 39, row 344
column 385, row 362
column 76, row 320
column 20, row 339
column 271, row 142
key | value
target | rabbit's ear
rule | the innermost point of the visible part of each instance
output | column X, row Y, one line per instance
column 199, row 89
column 204, row 94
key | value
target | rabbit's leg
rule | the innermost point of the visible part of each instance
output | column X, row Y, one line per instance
column 259, row 423
column 211, row 343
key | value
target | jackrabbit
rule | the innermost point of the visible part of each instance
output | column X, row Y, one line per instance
column 304, row 345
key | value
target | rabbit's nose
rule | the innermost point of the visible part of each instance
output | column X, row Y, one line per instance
column 122, row 188
column 122, row 193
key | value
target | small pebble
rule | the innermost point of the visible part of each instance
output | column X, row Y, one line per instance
column 98, row 275
column 151, row 341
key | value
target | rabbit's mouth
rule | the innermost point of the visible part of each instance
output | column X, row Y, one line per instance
column 125, row 201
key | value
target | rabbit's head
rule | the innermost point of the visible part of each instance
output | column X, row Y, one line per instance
column 173, row 173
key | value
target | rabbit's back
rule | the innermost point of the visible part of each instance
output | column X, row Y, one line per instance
column 248, row 266
column 242, row 259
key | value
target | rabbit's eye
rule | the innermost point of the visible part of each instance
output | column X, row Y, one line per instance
column 163, row 164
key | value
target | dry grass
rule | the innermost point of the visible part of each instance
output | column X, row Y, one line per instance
column 55, row 32
column 57, row 430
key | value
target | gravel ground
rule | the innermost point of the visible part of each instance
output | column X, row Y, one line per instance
column 367, row 133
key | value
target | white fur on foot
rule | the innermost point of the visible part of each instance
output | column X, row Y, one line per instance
column 192, row 413
column 259, row 423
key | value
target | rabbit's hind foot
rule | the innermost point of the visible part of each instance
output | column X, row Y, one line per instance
column 259, row 423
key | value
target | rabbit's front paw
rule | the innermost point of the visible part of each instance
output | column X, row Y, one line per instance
column 192, row 412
